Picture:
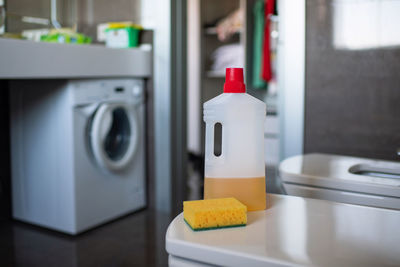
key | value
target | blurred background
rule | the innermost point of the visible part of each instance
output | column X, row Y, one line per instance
column 328, row 71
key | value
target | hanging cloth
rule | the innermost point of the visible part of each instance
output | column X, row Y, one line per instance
column 258, row 38
column 266, row 62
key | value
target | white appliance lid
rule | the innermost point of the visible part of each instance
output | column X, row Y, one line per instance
column 335, row 172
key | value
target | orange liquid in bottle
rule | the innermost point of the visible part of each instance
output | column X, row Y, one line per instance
column 249, row 191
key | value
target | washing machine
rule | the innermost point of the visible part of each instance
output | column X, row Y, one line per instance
column 343, row 179
column 77, row 151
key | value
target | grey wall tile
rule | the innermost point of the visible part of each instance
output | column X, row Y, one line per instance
column 352, row 103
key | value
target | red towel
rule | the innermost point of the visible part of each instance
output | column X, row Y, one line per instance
column 266, row 71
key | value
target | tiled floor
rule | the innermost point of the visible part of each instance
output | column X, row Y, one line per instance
column 135, row 240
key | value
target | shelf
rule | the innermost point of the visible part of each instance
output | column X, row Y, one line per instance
column 28, row 59
column 215, row 74
column 213, row 31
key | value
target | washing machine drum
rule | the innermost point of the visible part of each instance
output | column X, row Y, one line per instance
column 113, row 133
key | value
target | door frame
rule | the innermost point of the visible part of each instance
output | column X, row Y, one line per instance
column 170, row 105
column 291, row 76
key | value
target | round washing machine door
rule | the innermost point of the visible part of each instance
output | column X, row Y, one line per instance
column 114, row 135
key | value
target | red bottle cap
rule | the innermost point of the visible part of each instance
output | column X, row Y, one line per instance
column 234, row 81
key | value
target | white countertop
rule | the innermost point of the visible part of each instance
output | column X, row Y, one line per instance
column 22, row 59
column 296, row 231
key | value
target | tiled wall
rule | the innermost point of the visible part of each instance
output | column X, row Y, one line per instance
column 40, row 9
column 93, row 12
column 352, row 103
column 86, row 13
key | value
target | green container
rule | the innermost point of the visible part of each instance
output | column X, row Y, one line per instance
column 65, row 38
column 122, row 37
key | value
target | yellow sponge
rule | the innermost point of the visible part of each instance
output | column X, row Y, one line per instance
column 214, row 213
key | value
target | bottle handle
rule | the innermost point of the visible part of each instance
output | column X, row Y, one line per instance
column 211, row 158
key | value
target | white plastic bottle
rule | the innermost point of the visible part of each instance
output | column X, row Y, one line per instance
column 239, row 171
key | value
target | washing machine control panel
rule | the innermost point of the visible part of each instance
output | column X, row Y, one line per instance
column 137, row 90
column 90, row 91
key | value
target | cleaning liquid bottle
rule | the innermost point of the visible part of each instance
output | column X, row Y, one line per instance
column 239, row 170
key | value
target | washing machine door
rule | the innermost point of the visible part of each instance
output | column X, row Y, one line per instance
column 114, row 135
